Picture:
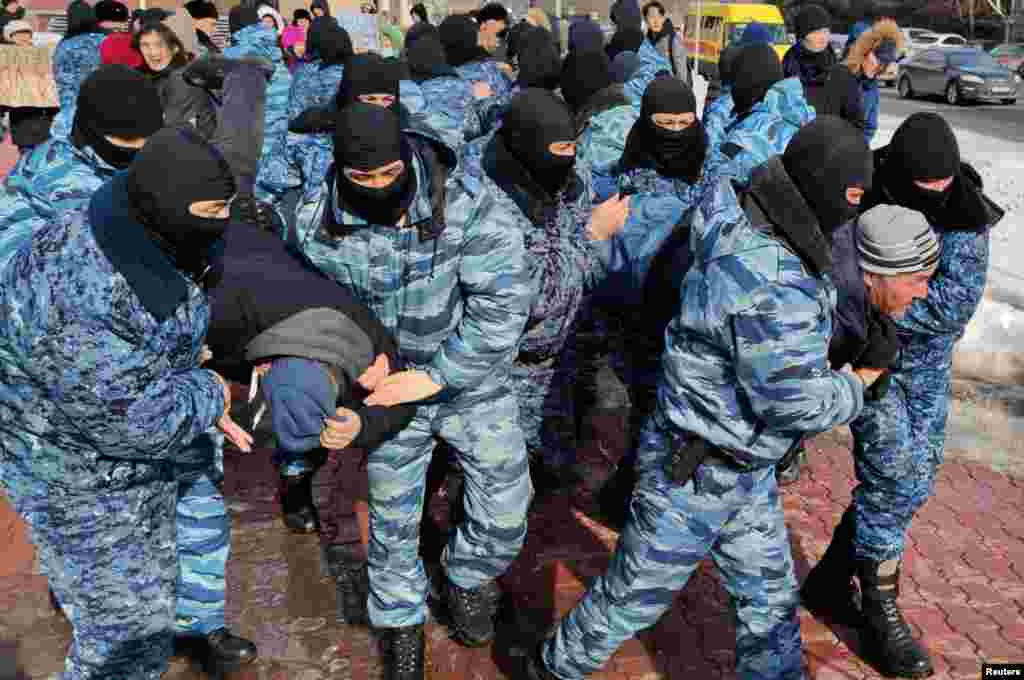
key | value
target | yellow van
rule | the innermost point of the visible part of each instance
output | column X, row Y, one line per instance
column 720, row 24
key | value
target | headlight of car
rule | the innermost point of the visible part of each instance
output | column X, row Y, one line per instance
column 972, row 79
column 1016, row 79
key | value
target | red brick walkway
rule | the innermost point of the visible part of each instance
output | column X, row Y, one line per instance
column 963, row 589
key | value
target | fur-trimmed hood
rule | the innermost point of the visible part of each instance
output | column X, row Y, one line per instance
column 885, row 30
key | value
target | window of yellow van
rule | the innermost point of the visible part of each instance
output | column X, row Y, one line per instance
column 734, row 32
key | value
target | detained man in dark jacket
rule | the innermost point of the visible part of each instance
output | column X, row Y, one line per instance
column 899, row 440
column 744, row 374
column 165, row 58
column 829, row 85
column 319, row 354
column 453, row 290
column 106, row 413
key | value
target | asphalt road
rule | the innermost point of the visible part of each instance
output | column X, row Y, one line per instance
column 994, row 120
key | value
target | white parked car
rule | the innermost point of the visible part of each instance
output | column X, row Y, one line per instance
column 950, row 40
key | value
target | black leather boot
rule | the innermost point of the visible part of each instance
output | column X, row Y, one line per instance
column 535, row 668
column 885, row 637
column 346, row 564
column 297, row 503
column 228, row 651
column 403, row 650
column 208, row 72
column 829, row 592
column 472, row 612
column 788, row 470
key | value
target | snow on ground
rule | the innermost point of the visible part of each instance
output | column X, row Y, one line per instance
column 993, row 347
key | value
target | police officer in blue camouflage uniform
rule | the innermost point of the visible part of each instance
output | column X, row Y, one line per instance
column 102, row 412
column 528, row 166
column 75, row 57
column 768, row 111
column 662, row 168
column 899, row 440
column 450, row 283
column 745, row 373
column 62, row 174
column 460, row 36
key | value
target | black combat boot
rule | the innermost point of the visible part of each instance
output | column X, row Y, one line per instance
column 227, row 651
column 829, row 592
column 208, row 72
column 885, row 637
column 297, row 503
column 472, row 612
column 788, row 470
column 351, row 581
column 403, row 650
column 535, row 668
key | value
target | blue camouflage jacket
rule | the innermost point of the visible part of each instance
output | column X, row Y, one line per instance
column 651, row 63
column 763, row 133
column 73, row 60
column 718, row 117
column 600, row 141
column 97, row 395
column 258, row 41
column 313, row 86
column 746, row 365
column 55, row 178
column 451, row 286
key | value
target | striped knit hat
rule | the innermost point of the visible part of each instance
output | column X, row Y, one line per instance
column 894, row 240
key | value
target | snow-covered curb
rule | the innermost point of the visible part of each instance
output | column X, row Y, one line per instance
column 993, row 347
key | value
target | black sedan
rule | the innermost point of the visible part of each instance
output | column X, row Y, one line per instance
column 959, row 75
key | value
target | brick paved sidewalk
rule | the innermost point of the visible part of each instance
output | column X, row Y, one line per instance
column 963, row 589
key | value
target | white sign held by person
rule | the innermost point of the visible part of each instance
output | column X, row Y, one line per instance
column 363, row 30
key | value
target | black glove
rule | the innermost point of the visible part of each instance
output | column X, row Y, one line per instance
column 687, row 454
column 879, row 388
column 882, row 346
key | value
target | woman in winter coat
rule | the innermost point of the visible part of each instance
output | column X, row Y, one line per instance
column 830, row 87
column 663, row 35
column 869, row 52
column 76, row 56
column 165, row 59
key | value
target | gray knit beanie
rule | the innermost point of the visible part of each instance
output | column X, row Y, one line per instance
column 894, row 240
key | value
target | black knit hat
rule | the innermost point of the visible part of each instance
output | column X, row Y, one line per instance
column 754, row 70
column 201, row 9
column 242, row 17
column 925, row 148
column 112, row 10
column 810, row 19
column 120, row 101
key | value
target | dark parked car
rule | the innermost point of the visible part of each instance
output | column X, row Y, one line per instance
column 958, row 75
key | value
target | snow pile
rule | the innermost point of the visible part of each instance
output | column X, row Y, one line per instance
column 993, row 347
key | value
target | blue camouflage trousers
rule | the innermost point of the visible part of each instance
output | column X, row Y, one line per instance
column 203, row 533
column 737, row 518
column 545, row 392
column 899, row 444
column 483, row 430
column 111, row 562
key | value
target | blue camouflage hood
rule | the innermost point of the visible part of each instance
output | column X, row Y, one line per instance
column 258, row 41
column 786, row 99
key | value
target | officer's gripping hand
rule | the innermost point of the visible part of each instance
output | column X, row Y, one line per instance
column 232, row 430
column 609, row 218
column 403, row 387
column 341, row 429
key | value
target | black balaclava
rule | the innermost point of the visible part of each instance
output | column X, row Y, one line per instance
column 755, row 69
column 118, row 101
column 627, row 39
column 242, row 17
column 673, row 153
column 584, row 74
column 368, row 73
column 368, row 137
column 426, row 59
column 539, row 62
column 824, row 159
column 923, row 148
column 727, row 65
column 335, row 45
column 175, row 169
column 534, row 120
column 460, row 37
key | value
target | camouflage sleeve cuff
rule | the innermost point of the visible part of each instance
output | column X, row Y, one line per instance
column 856, row 388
